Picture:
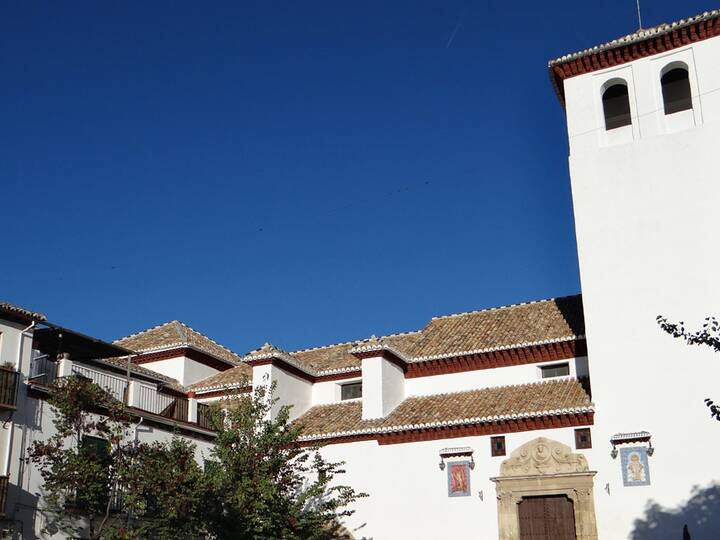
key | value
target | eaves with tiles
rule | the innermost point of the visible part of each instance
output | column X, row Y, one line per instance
column 534, row 332
column 525, row 333
column 644, row 42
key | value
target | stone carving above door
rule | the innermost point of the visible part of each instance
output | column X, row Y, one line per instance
column 543, row 456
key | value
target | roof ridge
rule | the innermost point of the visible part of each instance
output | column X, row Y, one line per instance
column 208, row 338
column 180, row 330
column 507, row 306
column 355, row 341
column 135, row 334
column 184, row 338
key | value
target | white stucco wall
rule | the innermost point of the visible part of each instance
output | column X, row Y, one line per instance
column 329, row 391
column 383, row 385
column 183, row 369
column 195, row 372
column 290, row 389
column 15, row 350
column 408, row 494
column 487, row 378
column 647, row 219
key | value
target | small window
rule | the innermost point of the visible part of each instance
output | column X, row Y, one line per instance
column 616, row 106
column 351, row 391
column 497, row 446
column 582, row 438
column 96, row 450
column 676, row 91
column 555, row 370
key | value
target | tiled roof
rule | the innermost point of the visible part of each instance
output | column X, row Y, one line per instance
column 176, row 334
column 12, row 309
column 533, row 323
column 471, row 407
column 338, row 357
column 501, row 328
column 641, row 35
column 229, row 378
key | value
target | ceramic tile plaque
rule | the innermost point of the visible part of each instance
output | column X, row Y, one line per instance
column 634, row 464
column 458, row 473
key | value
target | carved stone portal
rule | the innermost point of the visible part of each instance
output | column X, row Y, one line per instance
column 545, row 467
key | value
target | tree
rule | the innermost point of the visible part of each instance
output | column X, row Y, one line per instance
column 708, row 335
column 264, row 483
column 99, row 482
column 261, row 483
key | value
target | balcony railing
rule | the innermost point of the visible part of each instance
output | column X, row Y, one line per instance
column 43, row 370
column 203, row 416
column 144, row 395
column 151, row 400
column 3, row 494
column 116, row 386
column 8, row 387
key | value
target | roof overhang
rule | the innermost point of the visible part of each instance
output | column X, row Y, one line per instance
column 53, row 339
column 644, row 42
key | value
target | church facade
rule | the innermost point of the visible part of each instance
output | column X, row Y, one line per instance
column 567, row 418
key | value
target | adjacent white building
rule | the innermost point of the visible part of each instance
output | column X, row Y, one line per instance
column 567, row 418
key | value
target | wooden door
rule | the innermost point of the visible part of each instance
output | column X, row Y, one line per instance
column 547, row 518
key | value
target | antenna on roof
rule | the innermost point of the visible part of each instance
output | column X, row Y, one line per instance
column 639, row 16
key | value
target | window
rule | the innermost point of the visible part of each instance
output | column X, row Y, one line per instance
column 351, row 391
column 616, row 106
column 555, row 370
column 96, row 451
column 497, row 446
column 582, row 438
column 676, row 90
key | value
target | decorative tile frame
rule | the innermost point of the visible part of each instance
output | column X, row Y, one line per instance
column 458, row 479
column 634, row 466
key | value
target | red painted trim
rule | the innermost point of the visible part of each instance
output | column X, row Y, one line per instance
column 626, row 440
column 467, row 453
column 546, row 352
column 509, row 357
column 339, row 376
column 387, row 355
column 622, row 54
column 475, row 430
column 188, row 352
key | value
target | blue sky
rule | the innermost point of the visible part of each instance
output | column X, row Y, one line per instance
column 295, row 172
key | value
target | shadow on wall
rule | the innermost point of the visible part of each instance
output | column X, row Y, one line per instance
column 701, row 514
column 571, row 308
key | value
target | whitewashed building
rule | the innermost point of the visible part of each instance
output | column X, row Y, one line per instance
column 567, row 418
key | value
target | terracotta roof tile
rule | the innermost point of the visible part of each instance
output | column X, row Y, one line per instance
column 499, row 328
column 22, row 312
column 231, row 377
column 640, row 35
column 551, row 320
column 176, row 334
column 472, row 406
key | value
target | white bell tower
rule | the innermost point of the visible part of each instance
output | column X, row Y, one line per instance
column 643, row 117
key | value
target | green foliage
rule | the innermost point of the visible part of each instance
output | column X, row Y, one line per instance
column 100, row 483
column 265, row 484
column 262, row 483
column 708, row 336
